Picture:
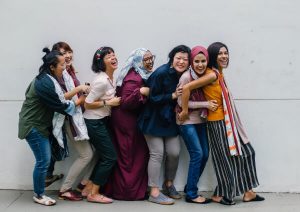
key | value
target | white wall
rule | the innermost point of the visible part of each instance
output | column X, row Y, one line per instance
column 262, row 36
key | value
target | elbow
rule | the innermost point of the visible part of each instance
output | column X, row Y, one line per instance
column 87, row 105
column 186, row 88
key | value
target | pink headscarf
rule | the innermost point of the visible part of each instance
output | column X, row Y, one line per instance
column 196, row 50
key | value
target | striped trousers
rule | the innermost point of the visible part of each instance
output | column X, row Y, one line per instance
column 235, row 174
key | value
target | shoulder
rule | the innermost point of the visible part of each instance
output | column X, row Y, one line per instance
column 160, row 71
column 211, row 73
column 43, row 82
column 185, row 77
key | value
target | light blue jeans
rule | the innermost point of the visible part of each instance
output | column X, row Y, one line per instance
column 196, row 142
column 41, row 149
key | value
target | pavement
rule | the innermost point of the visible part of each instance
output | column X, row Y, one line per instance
column 17, row 200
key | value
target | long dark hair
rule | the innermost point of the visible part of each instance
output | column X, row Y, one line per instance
column 213, row 52
column 98, row 64
column 50, row 59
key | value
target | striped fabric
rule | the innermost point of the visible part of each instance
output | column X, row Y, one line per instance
column 235, row 174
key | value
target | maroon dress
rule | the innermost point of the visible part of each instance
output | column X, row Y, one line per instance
column 129, row 179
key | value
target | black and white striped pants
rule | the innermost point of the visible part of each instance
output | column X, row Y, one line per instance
column 235, row 174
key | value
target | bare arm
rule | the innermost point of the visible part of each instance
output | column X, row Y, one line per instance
column 198, row 83
column 115, row 101
column 80, row 88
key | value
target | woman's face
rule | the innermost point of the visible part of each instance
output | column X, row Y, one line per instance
column 110, row 61
column 68, row 55
column 60, row 67
column 223, row 58
column 199, row 63
column 148, row 61
column 180, row 62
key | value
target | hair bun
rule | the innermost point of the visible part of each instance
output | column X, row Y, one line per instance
column 46, row 50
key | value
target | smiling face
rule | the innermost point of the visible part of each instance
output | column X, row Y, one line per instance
column 148, row 61
column 59, row 68
column 199, row 63
column 180, row 62
column 223, row 58
column 68, row 55
column 110, row 61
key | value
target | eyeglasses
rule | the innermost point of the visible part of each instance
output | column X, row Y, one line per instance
column 152, row 58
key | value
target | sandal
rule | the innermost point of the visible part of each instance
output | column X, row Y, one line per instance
column 44, row 200
column 225, row 201
column 99, row 198
column 80, row 187
column 52, row 179
column 70, row 195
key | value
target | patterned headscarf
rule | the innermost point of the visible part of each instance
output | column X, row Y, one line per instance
column 135, row 60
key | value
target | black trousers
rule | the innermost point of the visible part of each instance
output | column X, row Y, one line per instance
column 100, row 138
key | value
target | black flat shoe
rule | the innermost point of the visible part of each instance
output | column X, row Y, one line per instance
column 225, row 201
column 192, row 201
column 255, row 199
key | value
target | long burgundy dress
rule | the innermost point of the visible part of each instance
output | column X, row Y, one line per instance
column 129, row 179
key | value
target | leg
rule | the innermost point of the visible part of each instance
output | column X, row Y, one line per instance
column 202, row 134
column 40, row 147
column 172, row 149
column 85, row 154
column 156, row 150
column 191, row 139
column 100, row 139
column 222, row 161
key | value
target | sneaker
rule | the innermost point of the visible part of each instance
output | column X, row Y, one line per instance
column 44, row 200
column 161, row 199
column 171, row 191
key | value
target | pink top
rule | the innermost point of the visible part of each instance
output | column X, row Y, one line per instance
column 194, row 116
column 102, row 88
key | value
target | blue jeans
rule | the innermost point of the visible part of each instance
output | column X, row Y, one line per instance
column 196, row 142
column 41, row 149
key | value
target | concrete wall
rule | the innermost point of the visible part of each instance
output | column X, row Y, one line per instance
column 262, row 36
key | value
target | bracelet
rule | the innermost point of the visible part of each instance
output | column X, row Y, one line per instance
column 104, row 103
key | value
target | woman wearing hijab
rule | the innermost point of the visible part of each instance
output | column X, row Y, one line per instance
column 129, row 179
column 193, row 130
column 233, row 155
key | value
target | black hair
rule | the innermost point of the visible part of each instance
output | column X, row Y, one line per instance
column 180, row 48
column 213, row 52
column 50, row 59
column 98, row 64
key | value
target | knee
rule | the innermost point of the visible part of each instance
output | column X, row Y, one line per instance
column 156, row 156
column 87, row 156
column 43, row 163
column 173, row 155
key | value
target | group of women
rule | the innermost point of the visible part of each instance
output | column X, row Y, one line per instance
column 126, row 126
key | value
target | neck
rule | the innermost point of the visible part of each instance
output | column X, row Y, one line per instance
column 110, row 73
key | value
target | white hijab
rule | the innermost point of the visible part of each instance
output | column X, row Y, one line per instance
column 135, row 60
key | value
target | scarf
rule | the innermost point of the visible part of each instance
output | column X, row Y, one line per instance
column 135, row 60
column 76, row 118
column 230, row 123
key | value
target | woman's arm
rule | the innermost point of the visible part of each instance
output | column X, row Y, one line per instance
column 198, row 83
column 115, row 101
column 80, row 88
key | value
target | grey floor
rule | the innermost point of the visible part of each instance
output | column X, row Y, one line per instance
column 15, row 200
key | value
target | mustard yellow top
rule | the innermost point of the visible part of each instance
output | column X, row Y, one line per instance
column 213, row 91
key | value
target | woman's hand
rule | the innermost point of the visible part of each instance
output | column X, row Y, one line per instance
column 177, row 92
column 145, row 91
column 115, row 101
column 80, row 100
column 84, row 88
column 212, row 105
column 182, row 116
